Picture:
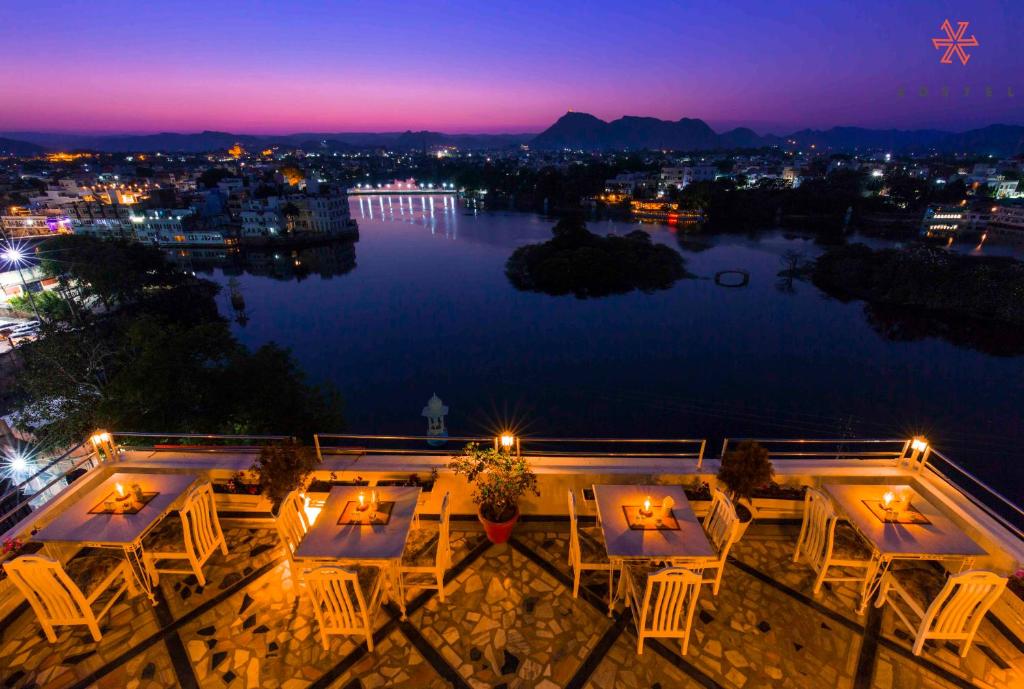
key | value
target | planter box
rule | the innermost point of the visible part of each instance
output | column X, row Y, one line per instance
column 325, row 486
column 228, row 503
column 426, row 486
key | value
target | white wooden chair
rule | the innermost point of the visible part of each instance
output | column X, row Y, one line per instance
column 427, row 555
column 827, row 547
column 587, row 551
column 292, row 526
column 721, row 526
column 955, row 610
column 345, row 601
column 193, row 537
column 662, row 602
column 56, row 593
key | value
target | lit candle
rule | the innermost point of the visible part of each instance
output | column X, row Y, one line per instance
column 647, row 505
column 362, row 500
column 120, row 490
column 887, row 498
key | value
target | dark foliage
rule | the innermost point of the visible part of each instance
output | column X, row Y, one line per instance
column 745, row 468
column 982, row 288
column 576, row 261
column 159, row 358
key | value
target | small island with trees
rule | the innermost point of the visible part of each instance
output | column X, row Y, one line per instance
column 579, row 262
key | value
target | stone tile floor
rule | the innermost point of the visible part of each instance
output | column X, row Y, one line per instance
column 509, row 621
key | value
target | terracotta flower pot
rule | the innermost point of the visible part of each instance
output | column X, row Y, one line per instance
column 498, row 532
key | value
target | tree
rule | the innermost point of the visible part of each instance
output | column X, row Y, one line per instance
column 212, row 176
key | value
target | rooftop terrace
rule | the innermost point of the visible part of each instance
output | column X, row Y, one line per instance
column 509, row 618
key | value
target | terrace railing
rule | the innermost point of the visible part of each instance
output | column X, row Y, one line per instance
column 652, row 448
column 22, row 495
column 981, row 494
column 194, row 442
column 828, row 449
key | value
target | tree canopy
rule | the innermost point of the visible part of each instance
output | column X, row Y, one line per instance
column 159, row 357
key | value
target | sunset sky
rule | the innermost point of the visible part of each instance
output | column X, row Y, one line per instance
column 258, row 66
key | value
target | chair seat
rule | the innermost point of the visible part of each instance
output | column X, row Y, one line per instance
column 421, row 548
column 592, row 548
column 848, row 545
column 922, row 583
column 87, row 571
column 167, row 537
column 369, row 579
column 637, row 573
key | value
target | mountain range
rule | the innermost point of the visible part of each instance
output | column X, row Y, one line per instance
column 577, row 130
column 574, row 130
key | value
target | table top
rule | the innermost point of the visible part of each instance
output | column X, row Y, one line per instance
column 688, row 541
column 941, row 538
column 76, row 525
column 329, row 540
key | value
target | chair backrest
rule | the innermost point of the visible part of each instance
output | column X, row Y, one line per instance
column 574, row 536
column 47, row 587
column 337, row 600
column 670, row 601
column 292, row 522
column 721, row 523
column 820, row 520
column 199, row 519
column 960, row 606
column 444, row 548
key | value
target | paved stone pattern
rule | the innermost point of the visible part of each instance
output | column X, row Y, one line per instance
column 509, row 621
column 27, row 659
column 512, row 623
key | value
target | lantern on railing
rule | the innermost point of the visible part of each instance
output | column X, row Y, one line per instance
column 506, row 442
column 103, row 444
column 919, row 451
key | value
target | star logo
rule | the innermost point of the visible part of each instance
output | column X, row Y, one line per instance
column 954, row 42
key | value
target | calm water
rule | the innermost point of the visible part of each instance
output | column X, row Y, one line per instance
column 420, row 304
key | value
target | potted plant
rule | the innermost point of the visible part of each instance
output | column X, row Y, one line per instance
column 283, row 467
column 500, row 478
column 745, row 468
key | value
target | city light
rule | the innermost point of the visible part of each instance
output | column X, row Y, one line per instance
column 919, row 444
column 13, row 255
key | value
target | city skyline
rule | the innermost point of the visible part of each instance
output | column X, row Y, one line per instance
column 258, row 68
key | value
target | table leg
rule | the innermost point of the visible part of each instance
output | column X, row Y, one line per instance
column 620, row 589
column 395, row 575
column 133, row 553
column 873, row 580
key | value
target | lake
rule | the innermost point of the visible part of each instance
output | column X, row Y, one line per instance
column 420, row 304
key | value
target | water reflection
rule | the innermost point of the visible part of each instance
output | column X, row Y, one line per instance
column 435, row 212
column 326, row 260
column 902, row 324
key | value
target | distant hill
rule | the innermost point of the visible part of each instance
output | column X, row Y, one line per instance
column 13, row 147
column 579, row 130
column 207, row 141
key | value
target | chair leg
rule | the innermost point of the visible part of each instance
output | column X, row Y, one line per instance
column 576, row 582
column 820, row 579
column 369, row 639
column 51, row 636
column 324, row 639
column 640, row 644
column 94, row 629
column 223, row 545
column 440, row 586
column 718, row 580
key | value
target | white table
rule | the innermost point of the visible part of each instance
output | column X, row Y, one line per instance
column 686, row 546
column 75, row 525
column 940, row 540
column 329, row 542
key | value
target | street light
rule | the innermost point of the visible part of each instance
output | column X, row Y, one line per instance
column 14, row 255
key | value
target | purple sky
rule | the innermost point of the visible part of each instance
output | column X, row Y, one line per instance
column 266, row 66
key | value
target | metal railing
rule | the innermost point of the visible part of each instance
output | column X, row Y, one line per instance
column 982, row 495
column 185, row 441
column 828, row 449
column 36, row 490
column 672, row 448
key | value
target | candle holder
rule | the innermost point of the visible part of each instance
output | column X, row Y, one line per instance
column 645, row 509
column 362, row 506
